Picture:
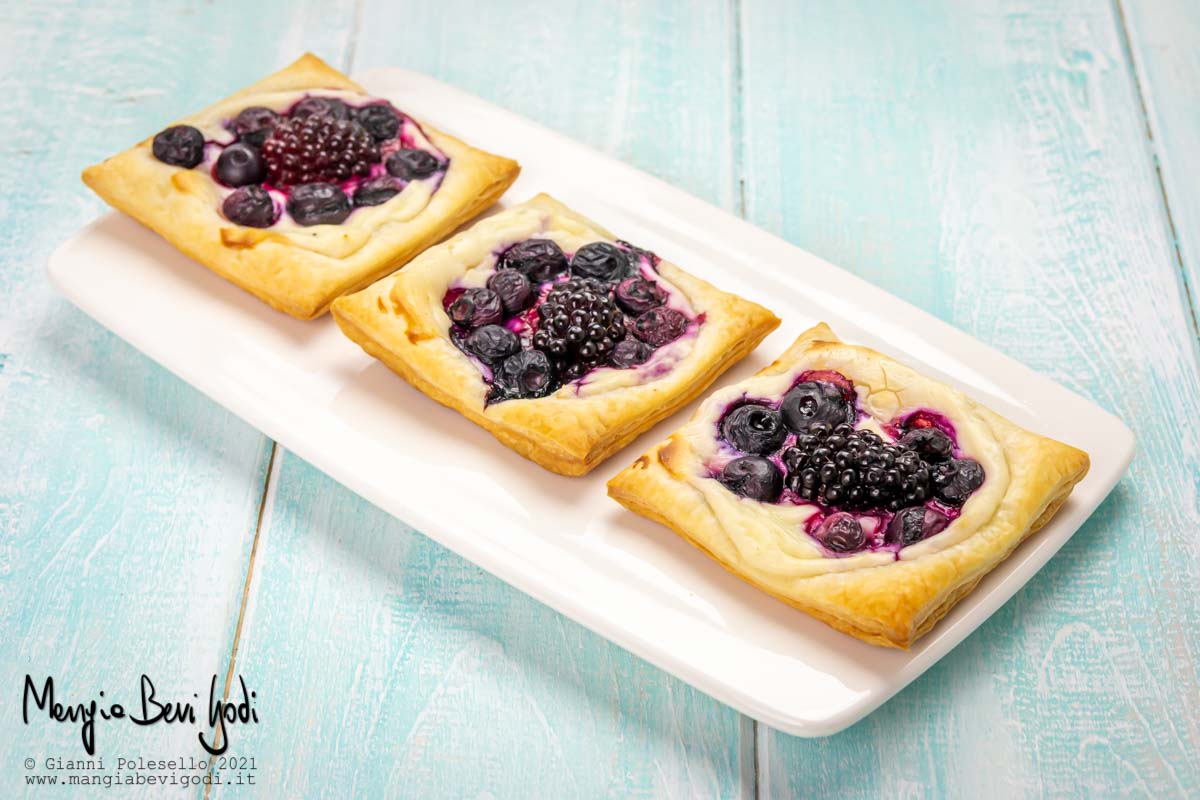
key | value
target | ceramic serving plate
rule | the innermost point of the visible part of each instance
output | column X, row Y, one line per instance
column 561, row 539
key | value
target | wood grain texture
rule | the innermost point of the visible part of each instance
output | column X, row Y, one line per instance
column 1162, row 37
column 988, row 162
column 128, row 501
column 388, row 665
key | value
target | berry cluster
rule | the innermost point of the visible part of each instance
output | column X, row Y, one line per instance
column 311, row 152
column 574, row 315
column 807, row 444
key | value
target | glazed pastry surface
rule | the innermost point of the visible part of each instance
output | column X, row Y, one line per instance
column 298, row 269
column 877, row 589
column 403, row 321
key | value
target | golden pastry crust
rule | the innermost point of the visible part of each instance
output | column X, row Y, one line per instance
column 298, row 270
column 400, row 321
column 877, row 597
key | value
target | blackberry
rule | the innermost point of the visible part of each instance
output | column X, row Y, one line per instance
column 854, row 470
column 579, row 324
column 319, row 148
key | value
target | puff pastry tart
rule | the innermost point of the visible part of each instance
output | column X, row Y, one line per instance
column 562, row 341
column 301, row 187
column 852, row 487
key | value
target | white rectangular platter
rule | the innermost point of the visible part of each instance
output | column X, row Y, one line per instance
column 560, row 539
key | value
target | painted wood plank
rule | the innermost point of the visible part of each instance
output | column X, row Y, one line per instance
column 128, row 501
column 988, row 162
column 391, row 667
column 1162, row 38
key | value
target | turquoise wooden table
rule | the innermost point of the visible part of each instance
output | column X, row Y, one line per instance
column 1026, row 171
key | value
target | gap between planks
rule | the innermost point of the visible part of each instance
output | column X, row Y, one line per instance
column 1136, row 74
column 265, row 503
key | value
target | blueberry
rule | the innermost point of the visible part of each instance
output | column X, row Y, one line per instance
column 492, row 343
column 658, row 326
column 251, row 206
column 841, row 533
column 179, row 146
column 638, row 295
column 911, row 525
column 514, row 289
column 753, row 477
column 321, row 107
column 931, row 444
column 318, row 204
column 254, row 124
column 814, row 402
column 754, row 429
column 379, row 120
column 523, row 375
column 475, row 308
column 955, row 480
column 411, row 164
column 376, row 191
column 629, row 352
column 539, row 260
column 600, row 261
column 240, row 164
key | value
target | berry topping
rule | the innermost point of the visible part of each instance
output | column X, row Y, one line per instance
column 379, row 120
column 251, row 206
column 658, row 326
column 914, row 524
column 318, row 149
column 318, row 204
column 179, row 146
column 540, row 260
column 411, row 164
column 321, row 107
column 638, row 295
column 841, row 533
column 240, row 164
column 753, row 477
column 629, row 352
column 376, row 191
column 579, row 325
column 637, row 255
column 754, row 429
column 930, row 444
column 254, row 124
column 492, row 343
column 601, row 261
column 513, row 288
column 475, row 308
column 526, row 374
column 814, row 402
column 954, row 480
column 854, row 470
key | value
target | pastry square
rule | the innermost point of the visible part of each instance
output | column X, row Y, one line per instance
column 301, row 187
column 852, row 487
column 541, row 327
